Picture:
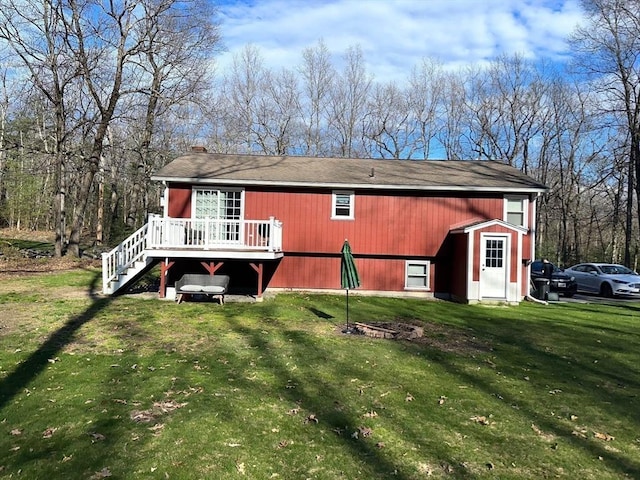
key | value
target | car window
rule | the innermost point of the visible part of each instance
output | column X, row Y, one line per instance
column 616, row 270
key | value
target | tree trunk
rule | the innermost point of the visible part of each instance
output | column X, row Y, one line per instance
column 83, row 199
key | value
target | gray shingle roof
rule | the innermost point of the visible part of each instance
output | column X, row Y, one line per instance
column 293, row 171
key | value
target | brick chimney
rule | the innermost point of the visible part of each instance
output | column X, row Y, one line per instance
column 198, row 149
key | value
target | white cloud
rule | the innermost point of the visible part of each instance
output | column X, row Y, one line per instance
column 396, row 34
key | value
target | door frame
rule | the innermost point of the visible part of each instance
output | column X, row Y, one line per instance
column 506, row 263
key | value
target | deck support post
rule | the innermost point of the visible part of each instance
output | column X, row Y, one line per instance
column 259, row 269
column 165, row 265
column 211, row 267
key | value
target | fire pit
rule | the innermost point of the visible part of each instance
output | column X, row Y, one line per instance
column 390, row 330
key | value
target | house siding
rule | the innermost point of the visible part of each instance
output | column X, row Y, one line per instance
column 179, row 201
column 388, row 228
column 458, row 285
column 384, row 224
column 321, row 272
column 513, row 272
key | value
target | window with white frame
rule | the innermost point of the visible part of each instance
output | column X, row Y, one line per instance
column 217, row 204
column 515, row 210
column 342, row 205
column 217, row 214
column 417, row 274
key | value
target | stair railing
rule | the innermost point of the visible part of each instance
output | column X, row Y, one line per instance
column 118, row 260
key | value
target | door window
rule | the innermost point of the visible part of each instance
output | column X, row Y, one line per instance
column 494, row 253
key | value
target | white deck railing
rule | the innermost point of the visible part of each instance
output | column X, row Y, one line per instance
column 162, row 233
column 119, row 259
column 211, row 234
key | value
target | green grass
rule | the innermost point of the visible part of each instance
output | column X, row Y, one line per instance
column 138, row 388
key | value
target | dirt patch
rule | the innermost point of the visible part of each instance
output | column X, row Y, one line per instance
column 441, row 337
column 17, row 267
column 28, row 266
column 33, row 235
column 16, row 260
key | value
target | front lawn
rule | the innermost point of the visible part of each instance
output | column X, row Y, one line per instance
column 131, row 387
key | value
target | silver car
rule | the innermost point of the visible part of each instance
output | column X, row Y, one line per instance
column 606, row 279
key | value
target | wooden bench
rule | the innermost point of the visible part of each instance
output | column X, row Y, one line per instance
column 214, row 286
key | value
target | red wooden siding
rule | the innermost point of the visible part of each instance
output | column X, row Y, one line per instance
column 324, row 272
column 458, row 283
column 180, row 201
column 477, row 247
column 387, row 224
column 388, row 228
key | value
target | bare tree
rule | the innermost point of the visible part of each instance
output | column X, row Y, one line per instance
column 241, row 95
column 277, row 112
column 425, row 101
column 347, row 105
column 175, row 59
column 34, row 30
column 389, row 123
column 567, row 163
column 607, row 48
column 317, row 82
column 505, row 102
column 452, row 135
column 4, row 116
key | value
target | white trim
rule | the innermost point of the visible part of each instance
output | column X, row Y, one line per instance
column 533, row 234
column 165, row 196
column 425, row 263
column 489, row 223
column 507, row 262
column 519, row 294
column 352, row 204
column 473, row 291
column 214, row 188
column 354, row 186
column 525, row 209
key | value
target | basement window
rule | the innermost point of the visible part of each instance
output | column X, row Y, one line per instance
column 417, row 275
column 342, row 205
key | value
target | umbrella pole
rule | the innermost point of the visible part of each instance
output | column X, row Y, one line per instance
column 348, row 310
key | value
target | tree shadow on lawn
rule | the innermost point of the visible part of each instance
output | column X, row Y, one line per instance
column 609, row 383
column 329, row 405
column 518, row 351
column 26, row 371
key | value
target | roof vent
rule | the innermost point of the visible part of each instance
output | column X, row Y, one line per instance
column 198, row 149
column 373, row 173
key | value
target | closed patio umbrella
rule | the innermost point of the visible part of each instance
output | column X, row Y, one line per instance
column 348, row 274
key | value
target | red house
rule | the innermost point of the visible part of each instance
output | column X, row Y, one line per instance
column 457, row 229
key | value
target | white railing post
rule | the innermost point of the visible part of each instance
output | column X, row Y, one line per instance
column 272, row 232
column 106, row 272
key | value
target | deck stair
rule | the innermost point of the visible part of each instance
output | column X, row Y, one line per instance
column 164, row 237
column 126, row 263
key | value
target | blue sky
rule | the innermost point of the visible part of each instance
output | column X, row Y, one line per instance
column 396, row 34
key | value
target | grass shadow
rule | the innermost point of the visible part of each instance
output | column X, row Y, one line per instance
column 608, row 382
column 322, row 395
column 27, row 370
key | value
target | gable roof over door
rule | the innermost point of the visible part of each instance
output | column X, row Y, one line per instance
column 347, row 173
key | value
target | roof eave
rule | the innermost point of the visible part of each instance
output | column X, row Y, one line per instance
column 349, row 186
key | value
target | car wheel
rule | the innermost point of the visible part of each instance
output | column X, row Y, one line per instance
column 606, row 291
column 569, row 294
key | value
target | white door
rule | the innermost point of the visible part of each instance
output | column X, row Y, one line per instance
column 493, row 266
column 223, row 211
